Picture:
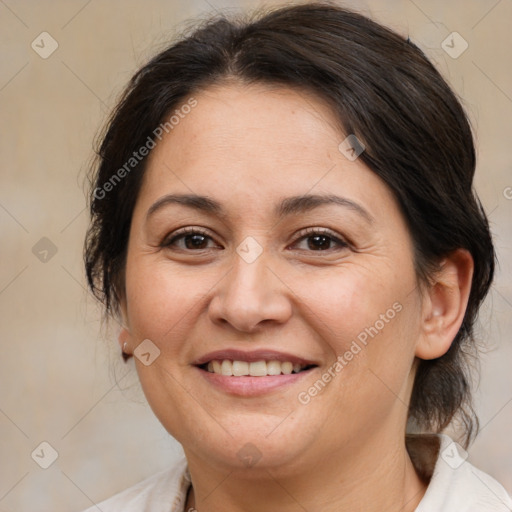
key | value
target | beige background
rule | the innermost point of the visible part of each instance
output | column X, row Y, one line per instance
column 61, row 380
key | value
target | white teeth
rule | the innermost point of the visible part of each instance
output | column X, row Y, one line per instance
column 258, row 369
column 254, row 369
column 274, row 368
column 240, row 368
column 226, row 367
column 287, row 368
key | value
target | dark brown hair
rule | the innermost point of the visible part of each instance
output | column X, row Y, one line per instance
column 383, row 89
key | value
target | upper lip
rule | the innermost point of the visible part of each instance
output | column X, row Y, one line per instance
column 252, row 356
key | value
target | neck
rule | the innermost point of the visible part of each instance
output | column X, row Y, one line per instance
column 370, row 475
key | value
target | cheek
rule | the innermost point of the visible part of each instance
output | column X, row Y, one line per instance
column 343, row 302
column 160, row 299
column 174, row 402
column 368, row 316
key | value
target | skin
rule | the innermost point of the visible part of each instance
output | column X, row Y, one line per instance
column 248, row 147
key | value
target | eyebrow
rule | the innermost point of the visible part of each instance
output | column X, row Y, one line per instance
column 286, row 207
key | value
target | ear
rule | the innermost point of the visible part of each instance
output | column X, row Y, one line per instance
column 444, row 305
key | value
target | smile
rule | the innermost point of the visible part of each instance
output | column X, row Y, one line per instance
column 252, row 373
column 262, row 368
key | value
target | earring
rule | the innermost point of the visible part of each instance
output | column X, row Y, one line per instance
column 124, row 354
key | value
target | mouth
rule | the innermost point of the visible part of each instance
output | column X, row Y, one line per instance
column 255, row 373
column 262, row 368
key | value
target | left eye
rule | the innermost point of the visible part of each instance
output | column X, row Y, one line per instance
column 320, row 240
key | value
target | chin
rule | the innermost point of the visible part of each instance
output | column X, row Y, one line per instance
column 253, row 443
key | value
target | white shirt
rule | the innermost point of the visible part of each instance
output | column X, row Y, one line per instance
column 455, row 484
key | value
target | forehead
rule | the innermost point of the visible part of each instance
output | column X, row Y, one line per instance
column 255, row 121
column 254, row 143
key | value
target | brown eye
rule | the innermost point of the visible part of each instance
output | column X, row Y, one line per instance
column 321, row 240
column 188, row 239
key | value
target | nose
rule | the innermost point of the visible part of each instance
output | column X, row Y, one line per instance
column 250, row 295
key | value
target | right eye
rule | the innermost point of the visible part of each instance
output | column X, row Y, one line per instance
column 187, row 239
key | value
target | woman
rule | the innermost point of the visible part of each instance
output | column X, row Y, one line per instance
column 284, row 223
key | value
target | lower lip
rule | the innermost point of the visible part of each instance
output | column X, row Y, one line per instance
column 251, row 386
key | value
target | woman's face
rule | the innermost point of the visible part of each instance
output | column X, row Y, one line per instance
column 294, row 252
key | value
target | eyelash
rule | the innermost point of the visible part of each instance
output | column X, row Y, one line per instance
column 302, row 235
